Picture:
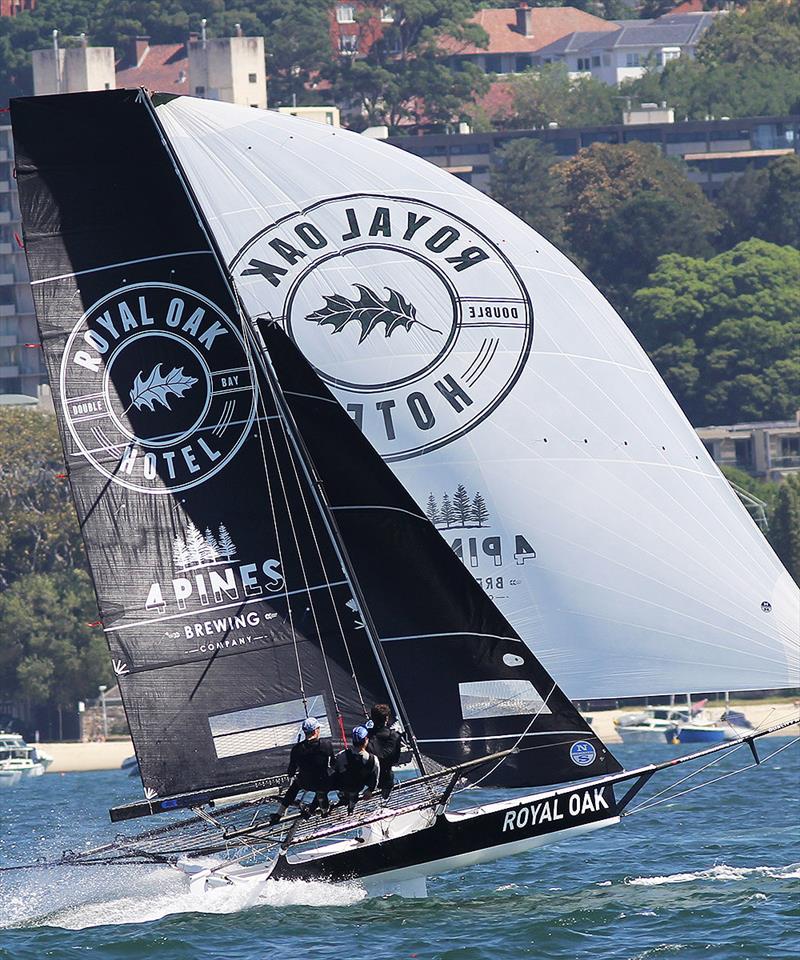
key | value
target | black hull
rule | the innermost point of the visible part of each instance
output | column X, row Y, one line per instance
column 457, row 839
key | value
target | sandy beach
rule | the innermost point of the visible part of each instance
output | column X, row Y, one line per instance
column 81, row 757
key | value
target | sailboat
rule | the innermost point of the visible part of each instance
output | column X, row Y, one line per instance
column 255, row 560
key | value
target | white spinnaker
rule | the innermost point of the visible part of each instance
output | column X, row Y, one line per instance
column 473, row 353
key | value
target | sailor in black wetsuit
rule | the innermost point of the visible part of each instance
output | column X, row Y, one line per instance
column 384, row 743
column 355, row 769
column 308, row 764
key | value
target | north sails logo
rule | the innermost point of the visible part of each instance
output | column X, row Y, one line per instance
column 157, row 387
column 415, row 319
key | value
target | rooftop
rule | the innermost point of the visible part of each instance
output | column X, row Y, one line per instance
column 162, row 67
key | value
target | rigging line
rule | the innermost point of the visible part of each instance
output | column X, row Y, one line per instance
column 692, row 773
column 647, row 804
column 296, row 539
column 334, row 604
column 518, row 741
column 306, row 462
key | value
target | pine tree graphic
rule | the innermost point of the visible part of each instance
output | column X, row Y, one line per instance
column 432, row 510
column 179, row 552
column 210, row 547
column 194, row 545
column 461, row 505
column 478, row 512
column 446, row 515
column 227, row 548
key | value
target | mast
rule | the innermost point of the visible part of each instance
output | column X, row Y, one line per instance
column 318, row 489
column 298, row 446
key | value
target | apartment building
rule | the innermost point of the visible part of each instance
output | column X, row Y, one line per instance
column 770, row 449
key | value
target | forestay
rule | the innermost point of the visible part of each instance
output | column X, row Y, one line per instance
column 509, row 398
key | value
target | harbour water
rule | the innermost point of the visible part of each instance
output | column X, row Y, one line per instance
column 713, row 874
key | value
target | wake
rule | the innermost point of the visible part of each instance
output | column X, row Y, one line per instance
column 86, row 898
column 721, row 872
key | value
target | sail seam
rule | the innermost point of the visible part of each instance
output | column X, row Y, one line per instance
column 502, row 736
column 379, row 506
column 123, row 263
column 452, row 633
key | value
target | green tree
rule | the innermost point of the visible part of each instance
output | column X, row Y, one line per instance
column 38, row 527
column 784, row 529
column 522, row 180
column 747, row 64
column 734, row 319
column 547, row 94
column 763, row 203
column 625, row 207
column 48, row 652
column 403, row 75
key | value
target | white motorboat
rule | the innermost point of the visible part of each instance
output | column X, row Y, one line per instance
column 18, row 759
column 653, row 723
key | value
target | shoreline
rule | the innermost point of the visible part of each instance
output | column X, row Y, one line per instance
column 70, row 757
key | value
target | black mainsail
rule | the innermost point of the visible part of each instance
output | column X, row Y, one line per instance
column 254, row 559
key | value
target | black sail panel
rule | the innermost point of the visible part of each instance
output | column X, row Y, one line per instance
column 469, row 685
column 225, row 608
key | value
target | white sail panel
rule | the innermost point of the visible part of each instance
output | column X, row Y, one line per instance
column 509, row 398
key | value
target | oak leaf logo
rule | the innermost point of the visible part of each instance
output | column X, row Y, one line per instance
column 368, row 311
column 157, row 388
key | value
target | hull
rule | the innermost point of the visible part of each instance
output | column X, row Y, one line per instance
column 10, row 778
column 698, row 735
column 645, row 734
column 426, row 844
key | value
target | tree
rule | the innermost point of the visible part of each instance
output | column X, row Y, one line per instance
column 461, row 505
column 446, row 513
column 479, row 514
column 38, row 527
column 784, row 528
column 547, row 94
column 227, row 547
column 734, row 319
column 432, row 510
column 48, row 652
column 763, row 203
column 522, row 180
column 628, row 205
column 404, row 72
column 747, row 64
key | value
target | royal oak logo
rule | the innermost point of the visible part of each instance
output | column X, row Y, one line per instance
column 156, row 387
column 415, row 319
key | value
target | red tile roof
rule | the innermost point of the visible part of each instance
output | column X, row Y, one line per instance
column 498, row 101
column 160, row 70
column 547, row 25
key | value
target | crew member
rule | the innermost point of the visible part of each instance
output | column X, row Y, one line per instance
column 384, row 743
column 355, row 769
column 309, row 764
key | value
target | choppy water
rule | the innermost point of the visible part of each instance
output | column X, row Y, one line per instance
column 715, row 874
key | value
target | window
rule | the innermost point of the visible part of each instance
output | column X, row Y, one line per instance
column 387, row 14
column 790, row 446
column 492, row 63
column 499, row 698
column 744, row 452
column 348, row 42
column 631, row 59
column 345, row 13
column 584, row 64
column 522, row 62
column 606, row 59
column 252, row 78
column 199, row 91
column 595, row 61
